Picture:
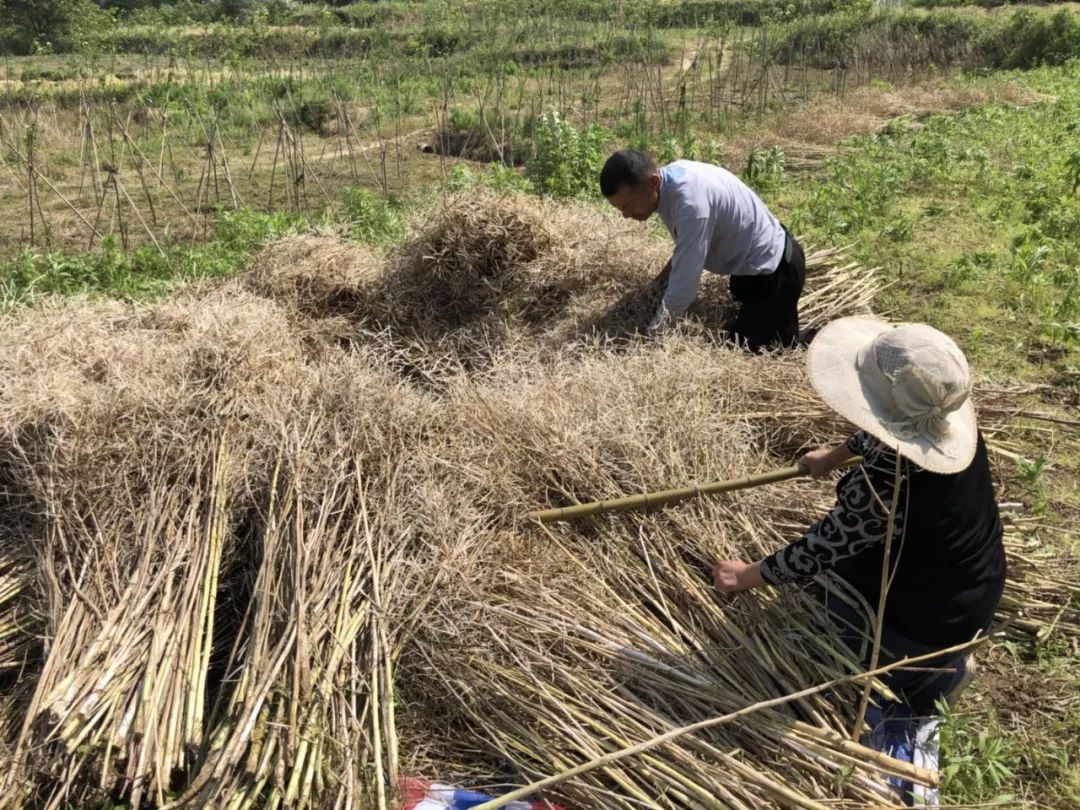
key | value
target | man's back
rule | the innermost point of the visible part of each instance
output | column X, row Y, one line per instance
column 744, row 238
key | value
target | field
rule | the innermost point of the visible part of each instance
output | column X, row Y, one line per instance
column 305, row 306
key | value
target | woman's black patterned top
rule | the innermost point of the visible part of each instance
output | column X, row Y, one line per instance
column 948, row 561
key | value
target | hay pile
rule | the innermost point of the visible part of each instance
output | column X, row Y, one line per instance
column 486, row 274
column 247, row 561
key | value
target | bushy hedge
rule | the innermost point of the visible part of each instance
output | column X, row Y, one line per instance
column 943, row 39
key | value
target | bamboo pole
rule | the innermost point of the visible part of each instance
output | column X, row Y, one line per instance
column 668, row 496
column 886, row 581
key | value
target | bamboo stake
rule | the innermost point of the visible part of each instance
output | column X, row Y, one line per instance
column 30, row 176
column 120, row 186
column 36, row 173
column 879, row 618
column 157, row 172
column 668, row 496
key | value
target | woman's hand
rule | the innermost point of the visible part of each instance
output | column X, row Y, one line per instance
column 824, row 460
column 732, row 576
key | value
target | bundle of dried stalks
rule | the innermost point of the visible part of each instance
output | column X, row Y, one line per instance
column 172, row 579
column 602, row 635
column 232, row 545
column 588, row 639
column 535, row 267
column 485, row 272
column 322, row 276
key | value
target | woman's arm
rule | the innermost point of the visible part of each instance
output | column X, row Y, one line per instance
column 731, row 576
column 824, row 460
column 859, row 520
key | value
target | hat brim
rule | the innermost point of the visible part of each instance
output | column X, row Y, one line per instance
column 832, row 365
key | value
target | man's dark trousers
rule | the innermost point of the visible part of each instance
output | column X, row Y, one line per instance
column 768, row 304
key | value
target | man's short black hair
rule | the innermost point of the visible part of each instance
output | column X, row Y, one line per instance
column 627, row 167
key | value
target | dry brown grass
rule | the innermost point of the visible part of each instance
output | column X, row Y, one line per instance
column 486, row 273
column 321, row 275
column 245, row 559
column 817, row 127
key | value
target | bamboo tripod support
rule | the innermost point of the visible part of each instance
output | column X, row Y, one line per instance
column 668, row 496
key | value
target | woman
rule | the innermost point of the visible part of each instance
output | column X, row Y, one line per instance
column 907, row 388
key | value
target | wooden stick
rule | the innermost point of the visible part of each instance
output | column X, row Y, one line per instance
column 879, row 618
column 668, row 496
column 58, row 193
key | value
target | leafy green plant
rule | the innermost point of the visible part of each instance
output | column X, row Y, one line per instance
column 1072, row 171
column 978, row 763
column 565, row 162
column 144, row 272
column 1042, row 40
column 45, row 26
column 1031, row 470
column 764, row 170
column 668, row 150
column 495, row 177
column 463, row 120
column 372, row 218
column 1031, row 473
column 902, row 229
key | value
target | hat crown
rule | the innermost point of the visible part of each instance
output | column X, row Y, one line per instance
column 928, row 375
column 908, row 385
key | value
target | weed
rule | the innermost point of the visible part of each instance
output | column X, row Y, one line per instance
column 764, row 170
column 565, row 162
column 1031, row 471
column 1072, row 172
column 978, row 762
column 144, row 272
column 371, row 218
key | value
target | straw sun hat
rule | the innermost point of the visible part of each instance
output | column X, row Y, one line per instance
column 906, row 384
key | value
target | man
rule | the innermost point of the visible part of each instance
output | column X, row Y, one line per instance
column 719, row 224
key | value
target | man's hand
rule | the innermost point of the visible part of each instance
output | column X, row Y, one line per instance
column 732, row 576
column 824, row 460
column 660, row 282
column 660, row 321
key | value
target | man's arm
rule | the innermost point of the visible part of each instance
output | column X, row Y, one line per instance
column 660, row 282
column 682, row 273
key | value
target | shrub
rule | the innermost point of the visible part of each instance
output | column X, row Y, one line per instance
column 27, row 26
column 1041, row 40
column 565, row 162
column 764, row 169
column 372, row 218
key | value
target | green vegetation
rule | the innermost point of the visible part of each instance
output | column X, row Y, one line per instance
column 34, row 26
column 372, row 219
column 980, row 762
column 146, row 271
column 976, row 213
column 565, row 163
column 945, row 39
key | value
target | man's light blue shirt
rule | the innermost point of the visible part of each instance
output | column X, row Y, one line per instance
column 718, row 223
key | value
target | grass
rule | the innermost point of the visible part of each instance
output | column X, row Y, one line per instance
column 144, row 273
column 1016, row 738
column 973, row 215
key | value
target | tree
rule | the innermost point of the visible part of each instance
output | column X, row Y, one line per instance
column 29, row 24
column 237, row 9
